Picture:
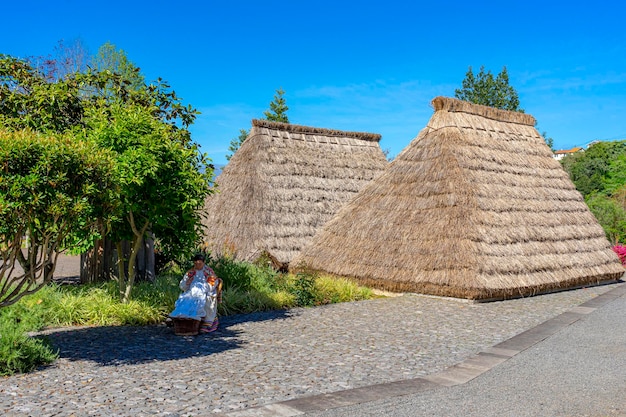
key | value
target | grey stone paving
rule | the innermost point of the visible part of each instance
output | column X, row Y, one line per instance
column 271, row 357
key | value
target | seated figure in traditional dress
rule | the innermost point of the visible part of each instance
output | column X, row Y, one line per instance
column 202, row 291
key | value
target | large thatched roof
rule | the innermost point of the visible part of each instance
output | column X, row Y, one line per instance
column 283, row 184
column 475, row 207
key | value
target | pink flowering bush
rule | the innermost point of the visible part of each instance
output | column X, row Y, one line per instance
column 621, row 253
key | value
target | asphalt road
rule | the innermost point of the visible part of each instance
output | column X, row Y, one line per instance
column 573, row 365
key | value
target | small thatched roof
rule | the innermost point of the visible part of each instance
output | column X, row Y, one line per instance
column 475, row 207
column 283, row 184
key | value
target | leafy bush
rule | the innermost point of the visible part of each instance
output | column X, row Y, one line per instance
column 235, row 274
column 304, row 288
column 611, row 216
column 598, row 169
column 53, row 189
column 599, row 173
column 18, row 351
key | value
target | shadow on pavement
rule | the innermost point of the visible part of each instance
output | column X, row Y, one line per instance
column 123, row 345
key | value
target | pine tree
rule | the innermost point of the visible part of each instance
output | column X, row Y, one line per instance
column 489, row 91
column 236, row 143
column 278, row 108
column 276, row 113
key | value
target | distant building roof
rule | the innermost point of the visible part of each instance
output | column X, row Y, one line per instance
column 567, row 151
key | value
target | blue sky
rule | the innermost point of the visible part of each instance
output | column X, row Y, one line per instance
column 369, row 66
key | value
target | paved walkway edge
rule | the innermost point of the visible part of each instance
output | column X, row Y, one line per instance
column 454, row 375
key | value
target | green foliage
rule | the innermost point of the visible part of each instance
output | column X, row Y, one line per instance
column 235, row 274
column 278, row 108
column 339, row 290
column 53, row 190
column 489, row 91
column 599, row 173
column 109, row 58
column 611, row 216
column 615, row 177
column 304, row 288
column 163, row 180
column 599, row 169
column 101, row 307
column 237, row 301
column 236, row 143
column 162, row 177
column 20, row 353
column 97, row 305
column 29, row 100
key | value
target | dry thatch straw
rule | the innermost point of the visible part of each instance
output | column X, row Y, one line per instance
column 475, row 207
column 283, row 184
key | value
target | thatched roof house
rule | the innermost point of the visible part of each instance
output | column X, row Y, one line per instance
column 283, row 184
column 475, row 207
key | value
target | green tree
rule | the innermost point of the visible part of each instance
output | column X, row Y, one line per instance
column 611, row 215
column 163, row 178
column 52, row 192
column 615, row 177
column 28, row 99
column 276, row 113
column 163, row 182
column 597, row 170
column 599, row 173
column 492, row 91
column 109, row 58
column 278, row 108
column 488, row 90
column 236, row 143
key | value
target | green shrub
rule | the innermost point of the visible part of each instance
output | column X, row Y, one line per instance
column 18, row 351
column 611, row 216
column 304, row 288
column 21, row 353
column 235, row 274
column 338, row 290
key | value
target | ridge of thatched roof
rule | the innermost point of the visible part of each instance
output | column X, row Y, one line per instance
column 456, row 105
column 474, row 207
column 283, row 184
column 287, row 127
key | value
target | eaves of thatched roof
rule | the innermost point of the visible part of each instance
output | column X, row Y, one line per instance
column 283, row 184
column 475, row 207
